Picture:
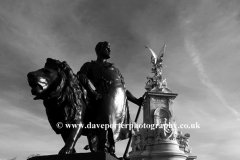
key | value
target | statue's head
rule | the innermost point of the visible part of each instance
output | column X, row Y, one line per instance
column 51, row 75
column 103, row 50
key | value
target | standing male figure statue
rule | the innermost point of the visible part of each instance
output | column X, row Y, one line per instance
column 108, row 103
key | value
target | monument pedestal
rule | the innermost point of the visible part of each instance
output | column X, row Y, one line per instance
column 77, row 156
column 162, row 141
column 165, row 150
column 159, row 143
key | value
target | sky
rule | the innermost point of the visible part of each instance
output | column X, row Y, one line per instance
column 202, row 57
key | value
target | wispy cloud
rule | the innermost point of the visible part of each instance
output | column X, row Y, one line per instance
column 194, row 53
column 31, row 31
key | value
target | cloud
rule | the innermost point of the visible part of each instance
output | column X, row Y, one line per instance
column 25, row 132
column 31, row 31
column 204, row 78
column 208, row 33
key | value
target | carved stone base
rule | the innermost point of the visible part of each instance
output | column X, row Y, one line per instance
column 167, row 150
column 78, row 156
column 190, row 156
column 162, row 150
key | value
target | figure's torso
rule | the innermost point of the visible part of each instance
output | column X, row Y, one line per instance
column 104, row 72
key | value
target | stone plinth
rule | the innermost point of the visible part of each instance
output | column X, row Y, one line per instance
column 158, row 105
column 159, row 143
column 78, row 156
column 163, row 150
column 192, row 157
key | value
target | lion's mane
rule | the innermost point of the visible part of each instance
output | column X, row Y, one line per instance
column 68, row 94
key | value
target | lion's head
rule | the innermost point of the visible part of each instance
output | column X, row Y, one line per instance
column 57, row 85
column 40, row 81
column 50, row 79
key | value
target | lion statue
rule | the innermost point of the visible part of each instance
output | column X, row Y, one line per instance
column 64, row 98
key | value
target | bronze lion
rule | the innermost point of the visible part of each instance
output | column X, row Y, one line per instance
column 64, row 99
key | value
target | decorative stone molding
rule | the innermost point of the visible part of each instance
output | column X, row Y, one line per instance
column 159, row 113
column 183, row 141
column 153, row 99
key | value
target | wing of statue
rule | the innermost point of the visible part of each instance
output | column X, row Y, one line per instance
column 154, row 56
column 160, row 55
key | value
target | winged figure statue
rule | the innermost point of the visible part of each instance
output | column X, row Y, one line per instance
column 157, row 83
column 157, row 59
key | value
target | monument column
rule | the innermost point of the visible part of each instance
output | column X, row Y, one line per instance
column 159, row 140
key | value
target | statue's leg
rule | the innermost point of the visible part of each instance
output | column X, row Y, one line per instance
column 65, row 135
column 71, row 135
column 111, row 142
column 74, row 134
column 92, row 142
column 103, row 142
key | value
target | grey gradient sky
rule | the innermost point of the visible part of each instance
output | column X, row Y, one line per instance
column 202, row 58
